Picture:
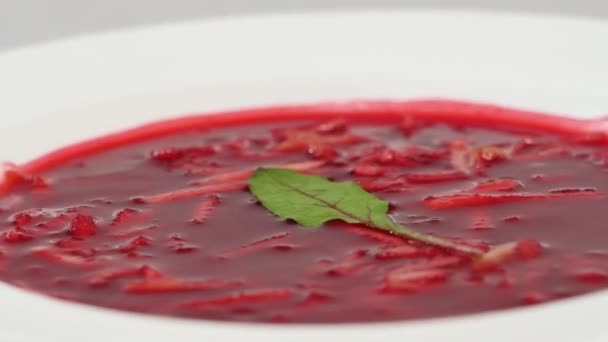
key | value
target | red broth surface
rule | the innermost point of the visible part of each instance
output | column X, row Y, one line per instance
column 159, row 220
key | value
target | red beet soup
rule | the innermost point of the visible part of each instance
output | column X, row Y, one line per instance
column 160, row 219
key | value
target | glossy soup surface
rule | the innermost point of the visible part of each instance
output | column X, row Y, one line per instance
column 167, row 226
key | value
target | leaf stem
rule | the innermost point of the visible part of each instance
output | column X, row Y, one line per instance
column 434, row 240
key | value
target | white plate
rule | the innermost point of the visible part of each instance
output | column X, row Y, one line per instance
column 62, row 92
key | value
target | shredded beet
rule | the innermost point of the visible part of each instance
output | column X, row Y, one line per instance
column 435, row 177
column 134, row 244
column 383, row 185
column 242, row 175
column 498, row 185
column 105, row 277
column 174, row 154
column 191, row 192
column 404, row 251
column 179, row 245
column 293, row 140
column 70, row 243
column 205, row 209
column 403, row 280
column 17, row 235
column 139, row 231
column 348, row 268
column 481, row 220
column 467, row 200
column 529, row 249
column 254, row 246
column 438, row 262
column 499, row 255
column 64, row 258
column 156, row 286
column 125, row 216
column 244, row 297
column 83, row 226
column 14, row 178
column 592, row 276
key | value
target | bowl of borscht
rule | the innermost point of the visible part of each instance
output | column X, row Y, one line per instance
column 422, row 175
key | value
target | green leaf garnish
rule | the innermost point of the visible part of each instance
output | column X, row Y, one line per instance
column 313, row 200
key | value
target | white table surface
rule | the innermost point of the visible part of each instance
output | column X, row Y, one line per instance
column 24, row 22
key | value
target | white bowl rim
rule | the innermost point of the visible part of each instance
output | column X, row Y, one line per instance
column 54, row 316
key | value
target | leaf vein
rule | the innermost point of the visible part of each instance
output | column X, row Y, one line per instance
column 326, row 203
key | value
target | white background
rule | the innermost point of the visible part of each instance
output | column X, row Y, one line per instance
column 25, row 22
column 114, row 79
